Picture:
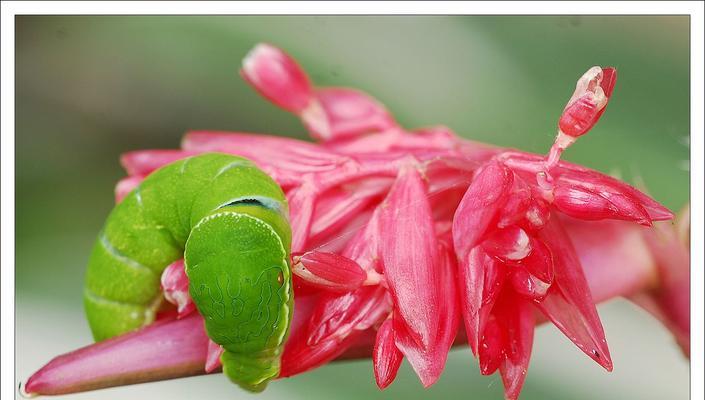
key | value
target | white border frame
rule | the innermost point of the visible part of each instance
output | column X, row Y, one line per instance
column 7, row 145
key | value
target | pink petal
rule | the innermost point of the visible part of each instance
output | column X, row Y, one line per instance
column 174, row 282
column 337, row 207
column 329, row 271
column 480, row 205
column 213, row 359
column 447, row 184
column 480, row 279
column 181, row 344
column 517, row 204
column 378, row 143
column 337, row 315
column 125, row 186
column 672, row 299
column 580, row 178
column 588, row 205
column 369, row 305
column 511, row 243
column 364, row 248
column 569, row 304
column 410, row 256
column 609, row 78
column 428, row 362
column 435, row 137
column 540, row 262
column 349, row 113
column 299, row 357
column 527, row 285
column 144, row 162
column 491, row 350
column 386, row 357
column 516, row 315
column 301, row 202
column 283, row 158
column 277, row 77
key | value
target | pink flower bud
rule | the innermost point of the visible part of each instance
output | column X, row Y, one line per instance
column 329, row 271
column 386, row 357
column 583, row 203
column 175, row 286
column 276, row 76
column 589, row 100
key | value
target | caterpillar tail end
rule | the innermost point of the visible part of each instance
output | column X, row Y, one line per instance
column 251, row 373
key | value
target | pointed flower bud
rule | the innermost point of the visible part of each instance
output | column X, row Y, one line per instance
column 588, row 102
column 386, row 356
column 583, row 203
column 276, row 76
column 329, row 271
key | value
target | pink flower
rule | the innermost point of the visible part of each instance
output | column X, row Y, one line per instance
column 399, row 235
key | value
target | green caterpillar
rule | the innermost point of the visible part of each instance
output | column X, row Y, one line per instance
column 229, row 221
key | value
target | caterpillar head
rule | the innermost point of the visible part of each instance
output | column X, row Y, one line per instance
column 240, row 281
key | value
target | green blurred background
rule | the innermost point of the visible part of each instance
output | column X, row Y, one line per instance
column 89, row 88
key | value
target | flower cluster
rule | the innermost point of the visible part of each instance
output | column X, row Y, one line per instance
column 410, row 234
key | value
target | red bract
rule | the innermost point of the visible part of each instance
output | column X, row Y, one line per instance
column 398, row 234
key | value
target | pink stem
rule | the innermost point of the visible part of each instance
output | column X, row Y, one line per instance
column 164, row 350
